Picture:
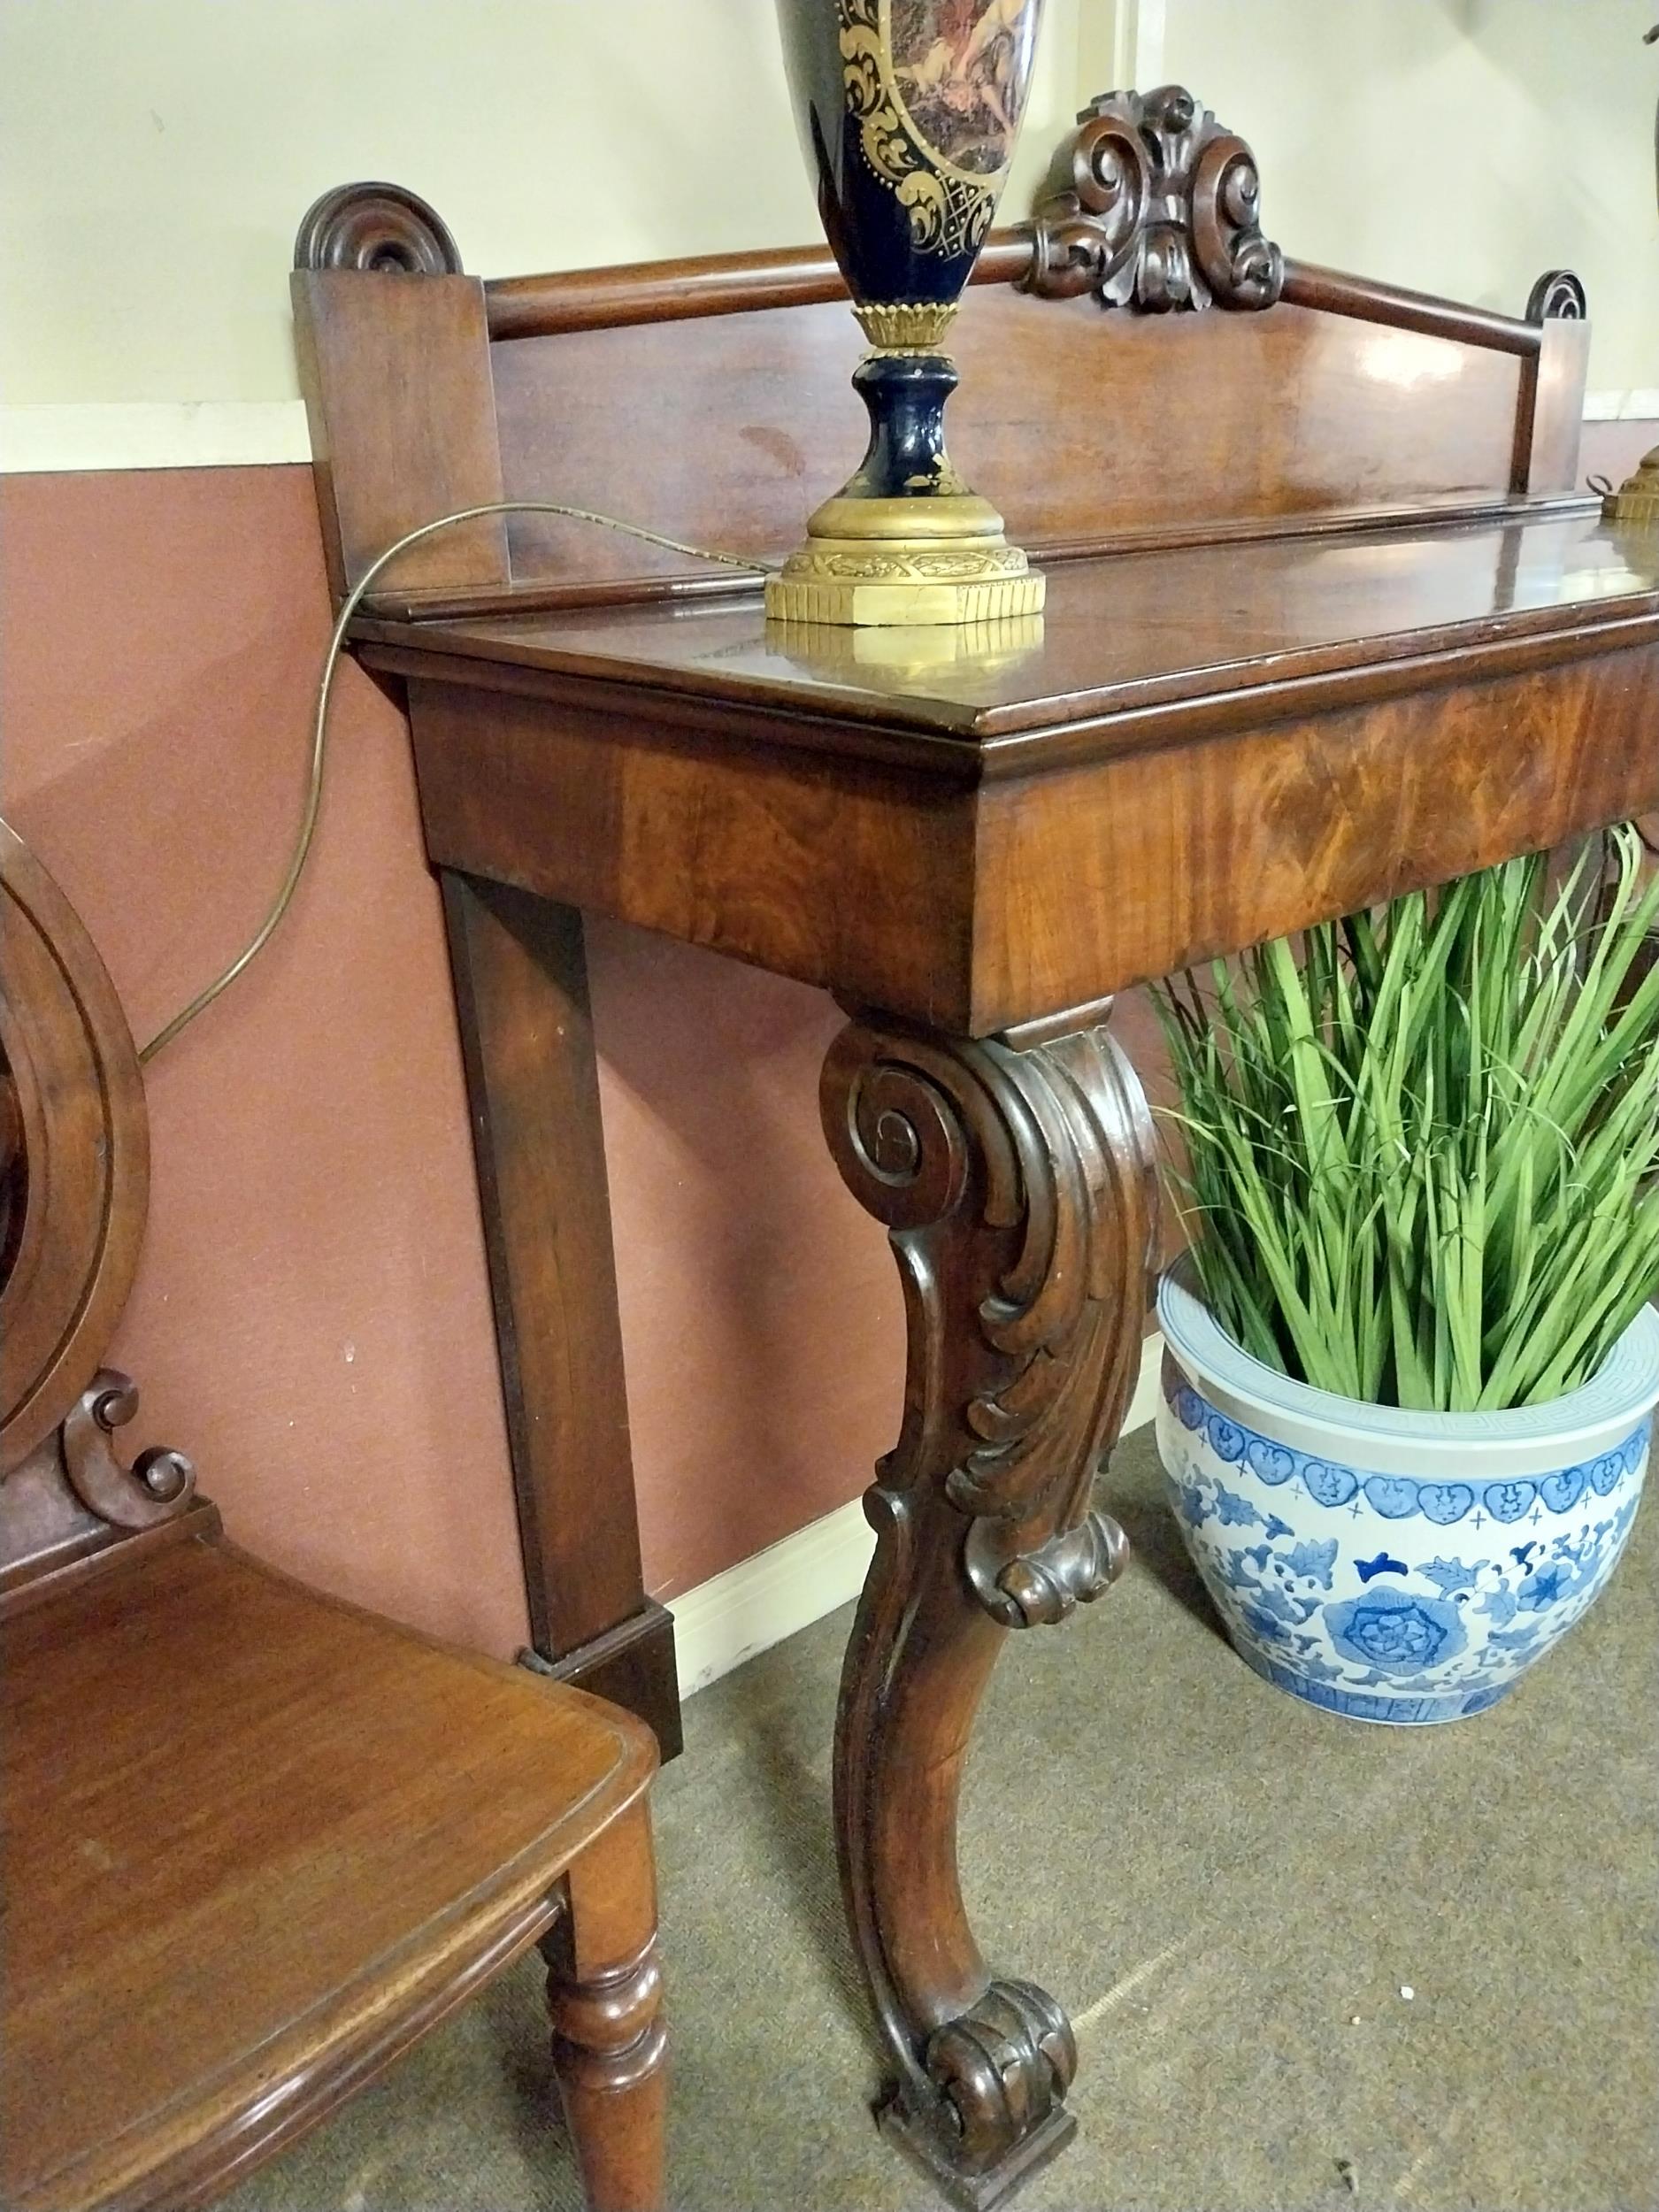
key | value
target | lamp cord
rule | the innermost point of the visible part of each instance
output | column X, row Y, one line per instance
column 324, row 697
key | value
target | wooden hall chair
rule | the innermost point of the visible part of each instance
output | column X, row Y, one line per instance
column 257, row 1841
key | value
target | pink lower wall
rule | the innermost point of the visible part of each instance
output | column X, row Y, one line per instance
column 312, row 1319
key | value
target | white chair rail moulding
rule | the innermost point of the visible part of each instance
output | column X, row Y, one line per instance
column 152, row 434
column 253, row 433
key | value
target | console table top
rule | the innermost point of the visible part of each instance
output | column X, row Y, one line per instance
column 1122, row 631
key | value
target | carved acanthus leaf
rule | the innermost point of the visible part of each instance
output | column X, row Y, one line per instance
column 1016, row 1186
column 1163, row 211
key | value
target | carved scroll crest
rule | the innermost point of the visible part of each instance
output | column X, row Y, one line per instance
column 1163, row 212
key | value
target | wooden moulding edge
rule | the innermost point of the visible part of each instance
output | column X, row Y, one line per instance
column 992, row 744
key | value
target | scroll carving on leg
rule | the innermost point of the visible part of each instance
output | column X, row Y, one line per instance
column 1016, row 1187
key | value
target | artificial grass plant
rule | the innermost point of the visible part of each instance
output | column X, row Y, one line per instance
column 1421, row 1142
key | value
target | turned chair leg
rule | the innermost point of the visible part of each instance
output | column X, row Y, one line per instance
column 603, row 1989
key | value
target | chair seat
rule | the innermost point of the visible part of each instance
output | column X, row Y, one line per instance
column 224, row 1795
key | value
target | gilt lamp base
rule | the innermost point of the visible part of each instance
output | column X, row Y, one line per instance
column 883, row 563
column 831, row 582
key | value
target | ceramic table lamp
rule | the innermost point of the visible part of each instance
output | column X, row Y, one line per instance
column 908, row 111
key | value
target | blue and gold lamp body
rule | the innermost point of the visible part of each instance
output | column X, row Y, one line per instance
column 908, row 111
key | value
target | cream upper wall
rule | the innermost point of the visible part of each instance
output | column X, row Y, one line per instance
column 1458, row 146
column 158, row 154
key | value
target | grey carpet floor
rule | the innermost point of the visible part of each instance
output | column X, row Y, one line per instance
column 1230, row 1892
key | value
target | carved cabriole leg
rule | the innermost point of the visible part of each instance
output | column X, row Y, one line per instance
column 604, row 1990
column 1017, row 1189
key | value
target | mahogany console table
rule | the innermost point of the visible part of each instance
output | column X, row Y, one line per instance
column 1325, row 621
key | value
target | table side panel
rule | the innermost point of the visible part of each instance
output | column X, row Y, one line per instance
column 396, row 373
column 1549, row 431
column 855, row 875
column 978, row 906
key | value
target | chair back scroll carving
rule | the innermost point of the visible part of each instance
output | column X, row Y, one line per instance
column 1321, row 399
column 74, row 1169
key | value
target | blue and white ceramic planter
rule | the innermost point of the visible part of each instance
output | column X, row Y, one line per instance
column 1395, row 1566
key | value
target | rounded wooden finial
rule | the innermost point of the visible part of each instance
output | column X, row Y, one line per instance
column 1557, row 296
column 376, row 226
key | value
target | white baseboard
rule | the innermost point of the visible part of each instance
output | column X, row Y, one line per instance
column 759, row 1602
column 790, row 1585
